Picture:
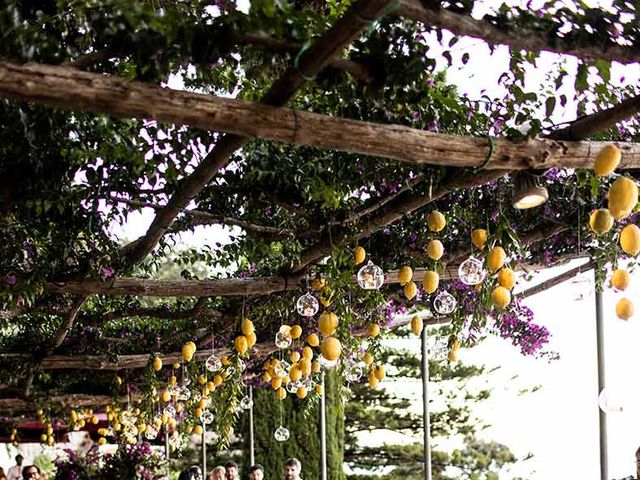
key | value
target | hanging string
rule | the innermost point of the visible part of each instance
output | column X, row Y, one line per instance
column 296, row 61
column 489, row 155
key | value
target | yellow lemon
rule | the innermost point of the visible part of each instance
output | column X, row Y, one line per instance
column 607, row 160
column 173, row 380
column 294, row 357
column 416, row 324
column 266, row 377
column 373, row 381
column 319, row 390
column 600, row 221
column 620, row 279
column 102, row 441
column 295, row 372
column 405, row 274
column 359, row 254
column 367, row 358
column 251, row 339
column 197, row 430
column 276, row 383
column 247, row 327
column 506, row 278
column 198, row 412
column 501, row 297
column 157, row 363
column 410, row 290
column 188, row 350
column 295, row 331
column 331, row 348
column 623, row 197
column 495, row 258
column 430, row 281
column 301, row 393
column 479, row 238
column 373, row 330
column 313, row 340
column 217, row 380
column 435, row 249
column 318, row 284
column 315, row 366
column 624, row 309
column 453, row 353
column 327, row 323
column 379, row 372
column 307, row 353
column 175, row 366
column 305, row 366
column 436, row 221
column 630, row 240
column 281, row 393
column 241, row 344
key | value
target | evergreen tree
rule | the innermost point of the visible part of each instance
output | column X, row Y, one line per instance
column 384, row 409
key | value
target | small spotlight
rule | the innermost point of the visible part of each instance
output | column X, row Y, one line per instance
column 527, row 191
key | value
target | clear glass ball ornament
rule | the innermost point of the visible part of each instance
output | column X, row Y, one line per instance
column 281, row 434
column 132, row 429
column 370, row 277
column 151, row 432
column 308, row 383
column 213, row 363
column 169, row 411
column 186, row 381
column 184, row 393
column 174, row 390
column 231, row 370
column 281, row 369
column 246, row 403
column 282, row 340
column 307, row 305
column 471, row 271
column 610, row 401
column 292, row 387
column 353, row 371
column 444, row 303
column 207, row 417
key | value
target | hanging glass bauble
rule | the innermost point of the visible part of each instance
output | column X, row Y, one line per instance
column 352, row 371
column 281, row 434
column 206, row 417
column 610, row 401
column 231, row 370
column 169, row 411
column 246, row 403
column 292, row 387
column 308, row 383
column 213, row 363
column 471, row 271
column 370, row 277
column 151, row 432
column 307, row 305
column 184, row 393
column 281, row 369
column 444, row 303
column 283, row 340
column 132, row 429
column 186, row 381
column 173, row 390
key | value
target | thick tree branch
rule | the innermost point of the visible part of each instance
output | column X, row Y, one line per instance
column 517, row 38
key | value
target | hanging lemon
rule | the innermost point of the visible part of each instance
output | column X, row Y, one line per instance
column 600, row 221
column 607, row 160
column 379, row 372
column 251, row 339
column 188, row 350
column 506, row 278
column 410, row 290
column 367, row 358
column 495, row 258
column 315, row 366
column 295, row 372
column 305, row 366
column 301, row 393
column 307, row 353
column 373, row 381
column 294, row 357
column 373, row 330
column 318, row 284
column 501, row 297
column 319, row 390
column 247, row 327
column 630, row 240
column 331, row 348
column 327, row 323
column 623, row 197
column 416, row 324
column 359, row 254
column 453, row 353
column 157, row 363
column 241, row 344
column 435, row 249
column 276, row 383
column 405, row 275
column 197, row 430
column 624, row 309
column 281, row 393
column 430, row 281
column 295, row 331
column 479, row 238
column 436, row 221
column 313, row 340
column 620, row 279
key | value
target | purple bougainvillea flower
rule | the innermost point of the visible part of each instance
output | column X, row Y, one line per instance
column 11, row 279
column 107, row 272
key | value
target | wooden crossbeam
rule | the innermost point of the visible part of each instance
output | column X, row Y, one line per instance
column 517, row 38
column 122, row 98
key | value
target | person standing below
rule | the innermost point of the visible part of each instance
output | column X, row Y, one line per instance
column 218, row 473
column 30, row 472
column 15, row 472
column 2, row 474
column 292, row 469
column 232, row 471
column 637, row 476
column 256, row 472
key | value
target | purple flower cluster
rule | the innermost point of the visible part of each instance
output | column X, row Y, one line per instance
column 518, row 326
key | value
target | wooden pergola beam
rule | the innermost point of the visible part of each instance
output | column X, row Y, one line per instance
column 527, row 39
column 122, row 98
